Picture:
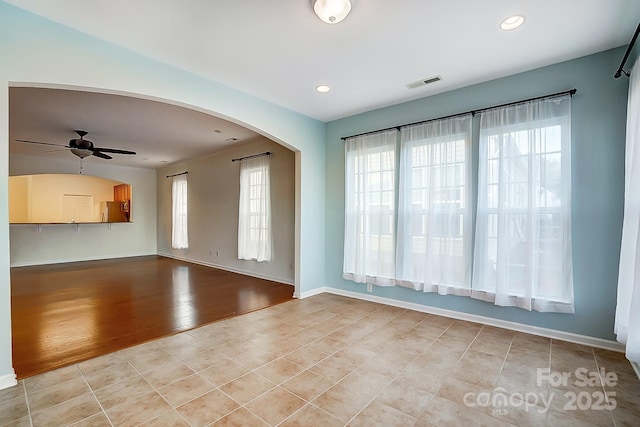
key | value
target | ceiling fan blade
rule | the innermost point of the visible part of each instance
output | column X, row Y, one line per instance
column 113, row 150
column 101, row 155
column 41, row 143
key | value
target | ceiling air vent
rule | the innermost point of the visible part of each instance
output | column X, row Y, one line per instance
column 423, row 82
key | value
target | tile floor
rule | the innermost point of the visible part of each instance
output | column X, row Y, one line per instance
column 333, row 361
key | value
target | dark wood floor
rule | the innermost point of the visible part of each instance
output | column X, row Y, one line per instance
column 66, row 313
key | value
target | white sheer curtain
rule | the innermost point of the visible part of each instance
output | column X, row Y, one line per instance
column 522, row 253
column 179, row 213
column 627, row 323
column 254, row 220
column 434, row 215
column 369, row 239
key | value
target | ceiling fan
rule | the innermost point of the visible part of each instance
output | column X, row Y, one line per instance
column 83, row 147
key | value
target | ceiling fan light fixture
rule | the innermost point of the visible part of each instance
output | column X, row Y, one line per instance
column 332, row 11
column 82, row 153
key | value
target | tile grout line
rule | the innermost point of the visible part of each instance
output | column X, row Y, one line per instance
column 94, row 396
column 26, row 398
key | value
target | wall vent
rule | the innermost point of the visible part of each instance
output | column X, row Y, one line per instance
column 423, row 82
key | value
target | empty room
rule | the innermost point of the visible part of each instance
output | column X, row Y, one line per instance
column 323, row 212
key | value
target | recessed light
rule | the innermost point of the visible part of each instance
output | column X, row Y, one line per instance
column 217, row 131
column 512, row 22
column 323, row 88
column 231, row 139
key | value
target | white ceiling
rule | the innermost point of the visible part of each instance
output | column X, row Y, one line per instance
column 280, row 51
column 159, row 133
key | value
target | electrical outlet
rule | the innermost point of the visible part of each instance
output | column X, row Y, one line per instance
column 210, row 252
column 217, row 253
column 369, row 287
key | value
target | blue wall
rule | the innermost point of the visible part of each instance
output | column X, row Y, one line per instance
column 598, row 139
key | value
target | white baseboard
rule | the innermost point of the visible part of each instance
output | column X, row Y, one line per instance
column 8, row 380
column 233, row 270
column 79, row 259
column 519, row 327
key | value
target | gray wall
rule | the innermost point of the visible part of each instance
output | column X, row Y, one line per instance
column 598, row 139
column 214, row 191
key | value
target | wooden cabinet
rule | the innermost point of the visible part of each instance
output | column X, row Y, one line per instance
column 122, row 193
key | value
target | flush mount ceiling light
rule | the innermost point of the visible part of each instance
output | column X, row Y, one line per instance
column 332, row 11
column 512, row 22
column 323, row 88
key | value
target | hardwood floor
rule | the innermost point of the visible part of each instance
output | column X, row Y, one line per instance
column 65, row 313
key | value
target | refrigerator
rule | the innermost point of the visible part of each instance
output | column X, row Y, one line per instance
column 114, row 212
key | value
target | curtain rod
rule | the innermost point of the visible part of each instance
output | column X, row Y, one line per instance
column 176, row 174
column 626, row 55
column 472, row 112
column 266, row 153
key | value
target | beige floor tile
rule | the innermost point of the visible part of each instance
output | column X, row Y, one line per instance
column 167, row 374
column 256, row 358
column 389, row 363
column 51, row 378
column 333, row 369
column 223, row 372
column 444, row 413
column 279, row 370
column 490, row 346
column 341, row 402
column 424, row 376
column 529, row 357
column 22, row 422
column 613, row 361
column 55, row 394
column 275, row 405
column 393, row 366
column 405, row 397
column 306, row 356
column 531, row 342
column 185, row 389
column 13, row 409
column 169, row 419
column 365, row 381
column 327, row 345
column 141, row 350
column 311, row 415
column 68, row 412
column 207, row 408
column 149, row 361
column 111, row 375
column 99, row 363
column 247, row 387
column 564, row 402
column 203, row 360
column 240, row 418
column 478, row 368
column 557, row 419
column 379, row 414
column 138, row 410
column 12, row 392
column 308, row 385
column 625, row 417
column 97, row 420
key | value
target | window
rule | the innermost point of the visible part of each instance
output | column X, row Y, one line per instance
column 434, row 215
column 254, row 221
column 369, row 245
column 180, row 226
column 522, row 251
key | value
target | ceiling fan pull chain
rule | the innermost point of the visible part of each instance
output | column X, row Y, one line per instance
column 81, row 166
